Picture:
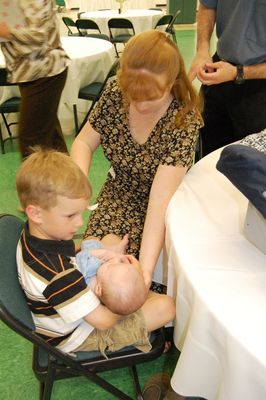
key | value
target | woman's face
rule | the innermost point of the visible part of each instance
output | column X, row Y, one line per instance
column 154, row 105
column 150, row 106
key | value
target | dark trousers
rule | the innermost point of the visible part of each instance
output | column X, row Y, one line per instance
column 38, row 121
column 232, row 112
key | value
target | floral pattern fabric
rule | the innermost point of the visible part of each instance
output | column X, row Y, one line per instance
column 123, row 200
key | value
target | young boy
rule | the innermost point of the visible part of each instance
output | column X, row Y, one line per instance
column 54, row 192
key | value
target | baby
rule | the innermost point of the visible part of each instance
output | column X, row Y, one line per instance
column 115, row 278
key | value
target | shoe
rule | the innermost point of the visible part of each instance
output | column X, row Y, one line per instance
column 172, row 395
column 156, row 387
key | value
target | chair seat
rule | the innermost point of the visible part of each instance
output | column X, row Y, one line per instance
column 10, row 105
column 98, row 36
column 91, row 91
column 121, row 38
column 50, row 364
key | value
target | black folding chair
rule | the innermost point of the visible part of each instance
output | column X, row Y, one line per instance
column 163, row 22
column 121, row 30
column 89, row 28
column 170, row 28
column 50, row 364
column 92, row 92
column 7, row 107
column 70, row 23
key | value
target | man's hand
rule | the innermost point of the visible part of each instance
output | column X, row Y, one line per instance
column 215, row 73
column 199, row 61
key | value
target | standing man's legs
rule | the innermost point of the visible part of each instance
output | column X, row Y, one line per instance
column 232, row 112
column 218, row 128
column 38, row 121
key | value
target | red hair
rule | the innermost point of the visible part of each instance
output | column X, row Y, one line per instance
column 147, row 55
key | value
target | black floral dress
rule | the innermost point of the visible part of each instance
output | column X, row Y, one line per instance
column 123, row 199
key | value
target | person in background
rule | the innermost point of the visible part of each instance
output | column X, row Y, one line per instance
column 54, row 193
column 147, row 122
column 36, row 61
column 234, row 79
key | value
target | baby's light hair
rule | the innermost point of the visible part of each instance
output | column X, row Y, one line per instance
column 45, row 174
column 123, row 289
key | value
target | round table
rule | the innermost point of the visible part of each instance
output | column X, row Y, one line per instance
column 142, row 20
column 89, row 5
column 218, row 279
column 90, row 60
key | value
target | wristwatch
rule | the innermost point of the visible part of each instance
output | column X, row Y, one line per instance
column 239, row 75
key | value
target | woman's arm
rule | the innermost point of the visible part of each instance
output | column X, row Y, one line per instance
column 165, row 183
column 84, row 146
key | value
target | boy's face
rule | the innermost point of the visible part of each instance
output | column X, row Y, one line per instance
column 59, row 222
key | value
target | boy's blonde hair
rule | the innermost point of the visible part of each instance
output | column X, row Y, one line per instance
column 147, row 55
column 45, row 174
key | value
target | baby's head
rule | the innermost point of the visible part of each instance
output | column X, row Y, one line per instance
column 121, row 286
column 53, row 192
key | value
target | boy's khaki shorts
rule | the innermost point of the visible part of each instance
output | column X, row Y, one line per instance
column 129, row 331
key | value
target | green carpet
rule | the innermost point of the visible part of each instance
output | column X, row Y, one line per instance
column 17, row 381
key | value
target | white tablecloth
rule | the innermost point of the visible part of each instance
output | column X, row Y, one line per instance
column 142, row 20
column 218, row 279
column 91, row 59
column 93, row 5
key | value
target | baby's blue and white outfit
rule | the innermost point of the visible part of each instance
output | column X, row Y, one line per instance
column 88, row 264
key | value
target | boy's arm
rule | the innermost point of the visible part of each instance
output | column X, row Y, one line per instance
column 102, row 318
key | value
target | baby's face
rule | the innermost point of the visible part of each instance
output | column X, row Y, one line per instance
column 121, row 262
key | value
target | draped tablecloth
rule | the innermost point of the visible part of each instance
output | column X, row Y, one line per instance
column 142, row 20
column 91, row 59
column 93, row 5
column 218, row 279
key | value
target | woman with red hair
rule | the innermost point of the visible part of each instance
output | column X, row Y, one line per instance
column 147, row 123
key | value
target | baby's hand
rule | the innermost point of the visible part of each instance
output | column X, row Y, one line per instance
column 104, row 254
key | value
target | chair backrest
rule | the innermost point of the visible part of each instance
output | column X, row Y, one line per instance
column 120, row 23
column 112, row 72
column 69, row 22
column 171, row 25
column 13, row 305
column 3, row 78
column 165, row 20
column 85, row 25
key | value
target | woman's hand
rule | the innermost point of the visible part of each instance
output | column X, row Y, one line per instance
column 147, row 279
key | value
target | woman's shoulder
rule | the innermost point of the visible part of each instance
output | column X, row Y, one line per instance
column 112, row 85
column 191, row 117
